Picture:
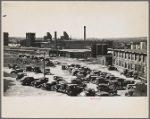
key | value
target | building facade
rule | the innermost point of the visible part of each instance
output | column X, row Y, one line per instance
column 133, row 60
column 6, row 38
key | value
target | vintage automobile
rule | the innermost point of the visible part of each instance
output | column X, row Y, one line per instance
column 139, row 89
column 64, row 67
column 107, row 88
column 110, row 67
column 120, row 83
column 29, row 68
column 93, row 79
column 20, row 75
column 50, row 86
column 130, row 89
column 58, row 78
column 50, row 64
column 108, row 76
column 88, row 92
column 69, row 89
column 95, row 73
column 13, row 66
column 37, row 82
column 27, row 80
column 47, row 71
column 37, row 70
column 101, row 80
column 104, row 74
column 80, row 74
column 128, row 81
column 15, row 71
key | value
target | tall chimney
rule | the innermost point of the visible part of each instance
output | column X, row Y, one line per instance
column 55, row 34
column 84, row 32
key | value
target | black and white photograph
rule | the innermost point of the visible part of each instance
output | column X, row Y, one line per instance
column 75, row 51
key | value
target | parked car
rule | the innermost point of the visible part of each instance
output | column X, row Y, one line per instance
column 88, row 92
column 112, row 68
column 64, row 67
column 37, row 70
column 69, row 89
column 29, row 68
column 95, row 73
column 37, row 82
column 20, row 75
column 27, row 80
column 15, row 71
column 107, row 88
column 128, row 81
column 120, row 83
column 130, row 89
column 13, row 66
column 47, row 71
column 51, row 86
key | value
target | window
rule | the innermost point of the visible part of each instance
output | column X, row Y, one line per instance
column 137, row 57
column 116, row 62
column 139, row 67
column 132, row 66
column 132, row 56
column 144, row 58
column 125, row 65
column 119, row 63
column 136, row 67
column 129, row 66
column 128, row 55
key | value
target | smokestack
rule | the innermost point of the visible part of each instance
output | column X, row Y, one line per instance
column 55, row 34
column 84, row 32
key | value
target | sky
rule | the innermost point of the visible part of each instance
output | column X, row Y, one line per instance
column 102, row 19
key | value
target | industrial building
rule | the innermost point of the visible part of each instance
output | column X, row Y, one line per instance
column 6, row 38
column 30, row 39
column 132, row 60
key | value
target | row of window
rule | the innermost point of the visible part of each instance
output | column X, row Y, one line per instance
column 135, row 57
column 129, row 65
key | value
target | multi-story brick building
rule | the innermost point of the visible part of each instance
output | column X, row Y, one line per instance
column 133, row 60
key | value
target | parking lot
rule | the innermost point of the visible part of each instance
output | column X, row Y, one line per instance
column 18, row 90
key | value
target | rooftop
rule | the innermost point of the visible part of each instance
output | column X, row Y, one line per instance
column 139, row 51
column 76, row 50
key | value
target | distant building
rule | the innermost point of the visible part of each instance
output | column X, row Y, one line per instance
column 30, row 39
column 79, row 44
column 132, row 60
column 71, row 53
column 6, row 38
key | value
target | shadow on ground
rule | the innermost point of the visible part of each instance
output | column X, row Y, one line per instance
column 7, row 84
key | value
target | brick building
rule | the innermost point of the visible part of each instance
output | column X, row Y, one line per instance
column 133, row 60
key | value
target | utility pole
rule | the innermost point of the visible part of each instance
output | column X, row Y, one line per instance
column 44, row 64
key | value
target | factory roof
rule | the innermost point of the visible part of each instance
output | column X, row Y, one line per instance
column 139, row 51
column 76, row 50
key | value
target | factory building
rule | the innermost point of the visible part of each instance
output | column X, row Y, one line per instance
column 30, row 39
column 100, row 51
column 6, row 38
column 79, row 44
column 133, row 60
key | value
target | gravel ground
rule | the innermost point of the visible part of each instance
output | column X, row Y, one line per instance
column 14, row 88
